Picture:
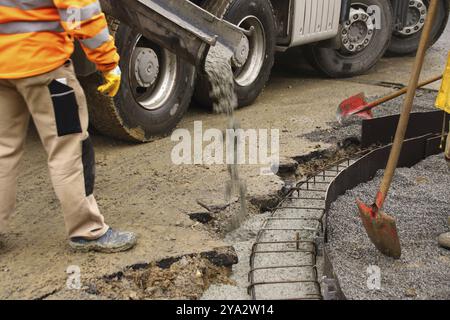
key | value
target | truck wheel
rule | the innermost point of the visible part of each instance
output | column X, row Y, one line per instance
column 252, row 77
column 155, row 92
column 362, row 44
column 406, row 41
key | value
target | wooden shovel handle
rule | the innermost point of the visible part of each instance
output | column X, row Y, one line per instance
column 401, row 92
column 407, row 106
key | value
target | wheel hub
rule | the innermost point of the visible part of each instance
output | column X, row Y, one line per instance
column 252, row 52
column 417, row 14
column 146, row 66
column 241, row 54
column 357, row 31
column 152, row 74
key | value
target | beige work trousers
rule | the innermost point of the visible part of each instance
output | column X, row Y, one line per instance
column 57, row 104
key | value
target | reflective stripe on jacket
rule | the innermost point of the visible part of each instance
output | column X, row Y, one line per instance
column 443, row 99
column 36, row 36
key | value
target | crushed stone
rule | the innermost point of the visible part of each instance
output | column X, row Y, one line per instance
column 419, row 200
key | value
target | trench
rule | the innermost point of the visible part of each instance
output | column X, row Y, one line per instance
column 247, row 268
column 228, row 277
column 244, row 237
column 233, row 281
column 273, row 235
column 218, row 274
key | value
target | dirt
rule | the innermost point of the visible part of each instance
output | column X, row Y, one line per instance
column 320, row 160
column 187, row 278
column 418, row 200
column 139, row 189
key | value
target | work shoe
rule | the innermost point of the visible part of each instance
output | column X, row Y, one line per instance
column 444, row 240
column 112, row 241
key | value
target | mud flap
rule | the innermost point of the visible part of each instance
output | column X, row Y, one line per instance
column 66, row 109
column 88, row 159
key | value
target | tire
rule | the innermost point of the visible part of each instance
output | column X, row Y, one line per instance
column 252, row 78
column 136, row 113
column 403, row 44
column 340, row 63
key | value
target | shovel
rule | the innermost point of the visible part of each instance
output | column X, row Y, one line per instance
column 358, row 105
column 381, row 227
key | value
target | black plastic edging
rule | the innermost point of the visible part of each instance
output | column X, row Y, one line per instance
column 382, row 130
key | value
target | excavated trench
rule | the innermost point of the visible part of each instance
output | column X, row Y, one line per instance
column 294, row 232
column 237, row 272
column 239, row 269
column 243, row 238
column 245, row 270
column 218, row 274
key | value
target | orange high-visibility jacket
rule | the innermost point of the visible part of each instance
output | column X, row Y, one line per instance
column 36, row 36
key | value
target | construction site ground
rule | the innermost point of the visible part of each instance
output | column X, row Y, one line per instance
column 139, row 189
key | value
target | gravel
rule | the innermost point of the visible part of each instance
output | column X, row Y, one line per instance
column 419, row 200
column 351, row 127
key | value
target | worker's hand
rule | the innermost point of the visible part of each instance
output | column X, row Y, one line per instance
column 112, row 82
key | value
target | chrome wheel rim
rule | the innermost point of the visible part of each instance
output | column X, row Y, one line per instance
column 251, row 69
column 152, row 74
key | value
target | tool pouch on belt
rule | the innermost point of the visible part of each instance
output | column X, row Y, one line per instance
column 66, row 108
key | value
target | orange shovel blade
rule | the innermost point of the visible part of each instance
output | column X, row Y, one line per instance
column 381, row 229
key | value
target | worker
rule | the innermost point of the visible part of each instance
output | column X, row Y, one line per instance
column 37, row 79
column 443, row 103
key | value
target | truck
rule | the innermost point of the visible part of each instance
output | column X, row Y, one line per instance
column 163, row 45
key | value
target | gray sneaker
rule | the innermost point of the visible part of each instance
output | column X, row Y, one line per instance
column 112, row 241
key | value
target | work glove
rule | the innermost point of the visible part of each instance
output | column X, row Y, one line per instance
column 443, row 99
column 112, row 82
